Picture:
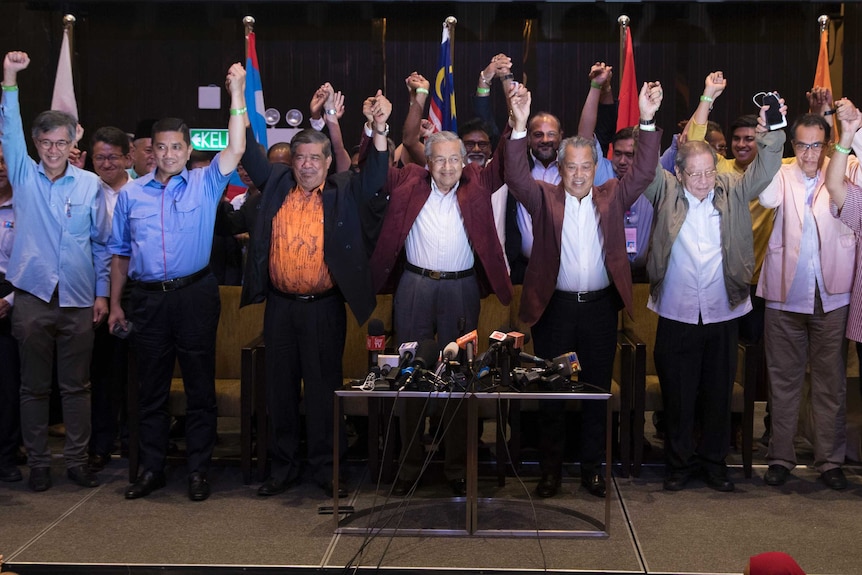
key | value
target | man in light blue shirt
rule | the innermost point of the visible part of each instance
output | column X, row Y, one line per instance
column 58, row 266
column 162, row 238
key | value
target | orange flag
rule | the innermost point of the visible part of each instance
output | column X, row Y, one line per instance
column 821, row 76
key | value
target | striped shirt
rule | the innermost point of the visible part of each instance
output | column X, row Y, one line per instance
column 851, row 216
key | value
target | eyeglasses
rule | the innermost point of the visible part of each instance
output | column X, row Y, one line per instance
column 482, row 145
column 802, row 147
column 706, row 174
column 440, row 161
column 46, row 145
column 112, row 158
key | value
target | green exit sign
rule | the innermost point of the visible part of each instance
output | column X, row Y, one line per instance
column 208, row 140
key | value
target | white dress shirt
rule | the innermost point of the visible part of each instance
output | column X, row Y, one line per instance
column 693, row 288
column 438, row 241
column 582, row 254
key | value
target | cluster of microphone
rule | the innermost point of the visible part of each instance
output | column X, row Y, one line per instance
column 423, row 366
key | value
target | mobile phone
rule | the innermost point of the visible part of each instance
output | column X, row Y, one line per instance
column 774, row 118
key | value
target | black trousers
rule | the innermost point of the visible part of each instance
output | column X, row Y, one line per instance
column 10, row 384
column 590, row 329
column 109, row 376
column 696, row 364
column 169, row 326
column 304, row 344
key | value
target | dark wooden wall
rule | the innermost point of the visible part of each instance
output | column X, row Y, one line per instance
column 140, row 59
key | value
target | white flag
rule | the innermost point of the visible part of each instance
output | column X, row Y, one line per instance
column 64, row 89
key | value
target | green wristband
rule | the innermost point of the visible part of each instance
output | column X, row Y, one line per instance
column 483, row 90
column 705, row 98
column 422, row 91
column 842, row 149
column 12, row 88
column 596, row 85
column 238, row 111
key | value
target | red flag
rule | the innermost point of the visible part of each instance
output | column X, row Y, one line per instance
column 629, row 112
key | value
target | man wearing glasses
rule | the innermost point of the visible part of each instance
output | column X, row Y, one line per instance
column 700, row 262
column 110, row 152
column 59, row 267
column 441, row 222
column 806, row 282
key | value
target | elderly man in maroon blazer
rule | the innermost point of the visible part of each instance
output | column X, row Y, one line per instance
column 439, row 245
column 578, row 276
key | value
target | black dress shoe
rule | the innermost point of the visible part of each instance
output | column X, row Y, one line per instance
column 459, row 487
column 82, row 476
column 676, row 481
column 275, row 485
column 10, row 474
column 40, row 479
column 594, row 483
column 834, row 479
column 548, row 485
column 719, row 482
column 97, row 462
column 147, row 482
column 327, row 489
column 776, row 475
column 402, row 487
column 199, row 487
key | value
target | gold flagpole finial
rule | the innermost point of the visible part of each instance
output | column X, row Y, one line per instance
column 248, row 22
column 823, row 20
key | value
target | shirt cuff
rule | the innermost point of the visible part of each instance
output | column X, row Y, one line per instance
column 317, row 124
column 518, row 135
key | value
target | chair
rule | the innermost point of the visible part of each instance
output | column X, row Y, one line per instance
column 236, row 358
column 640, row 332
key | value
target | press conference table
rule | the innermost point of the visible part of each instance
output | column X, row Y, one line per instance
column 471, row 522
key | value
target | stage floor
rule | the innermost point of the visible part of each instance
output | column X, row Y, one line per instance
column 88, row 531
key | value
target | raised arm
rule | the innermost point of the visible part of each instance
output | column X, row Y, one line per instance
column 850, row 119
column 417, row 87
column 600, row 74
column 643, row 169
column 334, row 109
column 820, row 102
column 517, row 170
column 713, row 86
column 770, row 147
column 231, row 155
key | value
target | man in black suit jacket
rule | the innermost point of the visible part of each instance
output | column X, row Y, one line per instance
column 307, row 257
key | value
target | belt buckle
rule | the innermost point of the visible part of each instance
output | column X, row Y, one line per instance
column 169, row 285
column 434, row 275
column 305, row 298
column 582, row 296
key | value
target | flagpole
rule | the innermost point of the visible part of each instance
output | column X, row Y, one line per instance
column 69, row 25
column 248, row 24
column 624, row 28
column 450, row 23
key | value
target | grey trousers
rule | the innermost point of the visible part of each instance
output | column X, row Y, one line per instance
column 792, row 341
column 39, row 327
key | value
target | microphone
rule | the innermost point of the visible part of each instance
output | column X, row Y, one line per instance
column 498, row 339
column 533, row 358
column 565, row 364
column 468, row 342
column 375, row 341
column 406, row 351
column 426, row 356
column 518, row 339
column 450, row 352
